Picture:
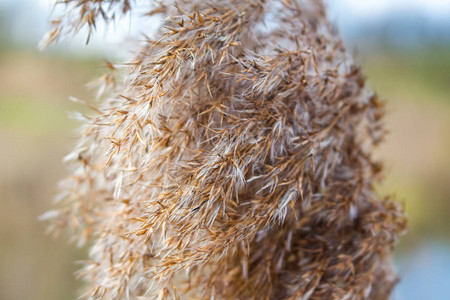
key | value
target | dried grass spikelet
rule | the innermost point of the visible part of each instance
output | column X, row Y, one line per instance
column 235, row 163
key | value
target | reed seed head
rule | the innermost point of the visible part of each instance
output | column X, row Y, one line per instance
column 234, row 162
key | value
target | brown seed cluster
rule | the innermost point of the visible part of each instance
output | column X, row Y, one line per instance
column 233, row 163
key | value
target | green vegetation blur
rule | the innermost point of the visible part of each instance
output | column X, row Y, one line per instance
column 36, row 132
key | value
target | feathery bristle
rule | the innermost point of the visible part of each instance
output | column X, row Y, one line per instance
column 234, row 163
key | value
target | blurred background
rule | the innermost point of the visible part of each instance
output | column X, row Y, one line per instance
column 403, row 46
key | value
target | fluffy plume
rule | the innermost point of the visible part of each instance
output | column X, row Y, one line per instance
column 233, row 163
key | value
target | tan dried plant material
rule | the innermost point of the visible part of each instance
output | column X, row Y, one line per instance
column 233, row 163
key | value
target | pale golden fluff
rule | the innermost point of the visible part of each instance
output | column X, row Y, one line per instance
column 233, row 163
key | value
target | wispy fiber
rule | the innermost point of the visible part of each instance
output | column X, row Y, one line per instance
column 233, row 163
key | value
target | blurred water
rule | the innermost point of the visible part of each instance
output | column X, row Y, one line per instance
column 425, row 273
